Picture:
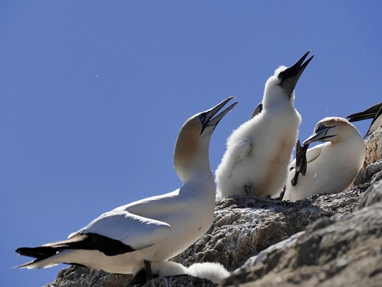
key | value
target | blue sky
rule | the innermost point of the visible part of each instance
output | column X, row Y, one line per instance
column 93, row 94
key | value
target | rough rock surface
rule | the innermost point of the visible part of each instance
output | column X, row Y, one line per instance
column 324, row 240
column 373, row 148
column 343, row 252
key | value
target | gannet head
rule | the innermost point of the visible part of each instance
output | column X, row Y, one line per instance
column 191, row 149
column 283, row 82
column 332, row 129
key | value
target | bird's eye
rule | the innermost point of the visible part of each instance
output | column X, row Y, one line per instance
column 320, row 127
column 202, row 118
column 281, row 75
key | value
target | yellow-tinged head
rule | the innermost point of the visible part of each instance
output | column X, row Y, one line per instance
column 332, row 129
column 191, row 149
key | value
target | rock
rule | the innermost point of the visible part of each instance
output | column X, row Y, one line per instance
column 372, row 195
column 373, row 148
column 324, row 240
column 77, row 276
column 347, row 252
column 370, row 174
column 244, row 226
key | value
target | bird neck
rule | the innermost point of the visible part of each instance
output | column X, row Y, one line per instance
column 192, row 166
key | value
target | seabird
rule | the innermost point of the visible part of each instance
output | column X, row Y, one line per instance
column 152, row 229
column 259, row 151
column 374, row 113
column 331, row 166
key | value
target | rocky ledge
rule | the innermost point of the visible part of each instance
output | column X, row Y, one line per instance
column 324, row 240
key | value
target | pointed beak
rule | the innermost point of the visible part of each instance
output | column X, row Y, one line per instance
column 290, row 76
column 209, row 120
column 320, row 135
column 257, row 110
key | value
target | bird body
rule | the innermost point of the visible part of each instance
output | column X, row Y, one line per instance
column 151, row 229
column 259, row 151
column 331, row 166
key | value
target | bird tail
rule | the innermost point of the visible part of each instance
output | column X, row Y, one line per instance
column 40, row 253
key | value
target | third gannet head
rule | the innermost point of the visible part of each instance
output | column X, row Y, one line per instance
column 334, row 130
column 331, row 166
column 283, row 82
column 191, row 149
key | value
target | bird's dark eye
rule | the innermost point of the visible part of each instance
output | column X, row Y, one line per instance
column 202, row 118
column 281, row 76
column 321, row 127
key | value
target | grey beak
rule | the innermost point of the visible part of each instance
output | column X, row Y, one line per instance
column 318, row 136
column 209, row 120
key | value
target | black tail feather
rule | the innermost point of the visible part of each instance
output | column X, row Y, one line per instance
column 41, row 252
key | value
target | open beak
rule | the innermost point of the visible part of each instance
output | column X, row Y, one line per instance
column 290, row 76
column 209, row 114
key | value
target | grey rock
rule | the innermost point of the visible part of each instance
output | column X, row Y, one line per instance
column 370, row 174
column 347, row 252
column 372, row 195
column 373, row 148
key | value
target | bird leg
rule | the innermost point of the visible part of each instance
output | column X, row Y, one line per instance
column 149, row 274
column 138, row 279
column 247, row 189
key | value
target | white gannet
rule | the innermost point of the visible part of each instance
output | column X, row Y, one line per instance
column 331, row 166
column 259, row 151
column 374, row 113
column 152, row 229
column 208, row 270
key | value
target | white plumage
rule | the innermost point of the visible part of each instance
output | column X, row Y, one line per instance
column 331, row 166
column 208, row 270
column 259, row 151
column 152, row 229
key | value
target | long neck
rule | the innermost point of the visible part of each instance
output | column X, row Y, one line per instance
column 191, row 159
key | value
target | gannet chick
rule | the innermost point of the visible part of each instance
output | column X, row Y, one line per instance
column 331, row 166
column 152, row 229
column 207, row 270
column 259, row 151
column 374, row 113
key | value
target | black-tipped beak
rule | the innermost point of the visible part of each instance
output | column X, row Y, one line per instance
column 319, row 136
column 290, row 76
column 207, row 116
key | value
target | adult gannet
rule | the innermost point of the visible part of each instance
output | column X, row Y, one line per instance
column 331, row 166
column 152, row 229
column 374, row 113
column 259, row 151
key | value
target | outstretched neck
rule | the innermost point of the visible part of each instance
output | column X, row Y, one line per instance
column 191, row 165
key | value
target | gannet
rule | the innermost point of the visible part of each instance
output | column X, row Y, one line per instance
column 331, row 166
column 152, row 229
column 374, row 113
column 259, row 151
column 208, row 270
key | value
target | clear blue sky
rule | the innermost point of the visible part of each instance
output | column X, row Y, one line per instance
column 93, row 94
